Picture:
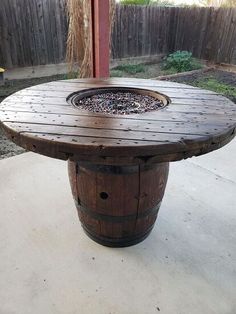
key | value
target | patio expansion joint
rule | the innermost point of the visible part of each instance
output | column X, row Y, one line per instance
column 212, row 172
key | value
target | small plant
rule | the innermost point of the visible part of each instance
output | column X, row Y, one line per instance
column 131, row 68
column 181, row 61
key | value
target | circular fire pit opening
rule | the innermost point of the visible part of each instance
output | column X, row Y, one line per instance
column 118, row 100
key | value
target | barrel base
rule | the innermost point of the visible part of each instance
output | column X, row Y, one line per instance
column 124, row 242
column 117, row 205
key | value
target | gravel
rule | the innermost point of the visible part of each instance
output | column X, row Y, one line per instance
column 8, row 148
column 119, row 103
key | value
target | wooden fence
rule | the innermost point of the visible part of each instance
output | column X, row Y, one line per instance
column 34, row 32
column 209, row 33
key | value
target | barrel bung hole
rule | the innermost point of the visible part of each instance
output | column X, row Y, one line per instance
column 103, row 195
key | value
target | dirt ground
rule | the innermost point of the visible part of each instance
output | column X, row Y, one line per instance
column 221, row 76
column 7, row 148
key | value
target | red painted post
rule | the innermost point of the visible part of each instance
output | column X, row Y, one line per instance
column 100, row 31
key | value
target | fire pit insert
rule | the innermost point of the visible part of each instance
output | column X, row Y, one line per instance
column 115, row 100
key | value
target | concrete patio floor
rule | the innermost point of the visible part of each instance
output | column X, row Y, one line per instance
column 186, row 266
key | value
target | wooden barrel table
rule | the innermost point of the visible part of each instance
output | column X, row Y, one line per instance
column 118, row 164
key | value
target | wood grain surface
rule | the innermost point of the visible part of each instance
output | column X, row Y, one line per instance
column 41, row 119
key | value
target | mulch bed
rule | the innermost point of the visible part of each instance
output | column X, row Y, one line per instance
column 221, row 76
column 119, row 103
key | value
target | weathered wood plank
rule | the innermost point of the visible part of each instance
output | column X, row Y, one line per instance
column 72, row 88
column 144, row 126
column 162, row 117
column 170, row 93
column 112, row 133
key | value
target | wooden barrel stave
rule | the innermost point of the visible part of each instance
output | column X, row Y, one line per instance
column 118, row 205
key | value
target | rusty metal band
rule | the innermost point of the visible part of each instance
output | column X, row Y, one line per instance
column 117, row 242
column 119, row 219
column 116, row 170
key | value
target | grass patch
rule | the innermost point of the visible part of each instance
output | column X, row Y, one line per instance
column 116, row 73
column 216, row 86
column 130, row 68
column 71, row 75
column 169, row 71
column 174, row 63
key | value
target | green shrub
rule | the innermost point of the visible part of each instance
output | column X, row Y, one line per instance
column 181, row 61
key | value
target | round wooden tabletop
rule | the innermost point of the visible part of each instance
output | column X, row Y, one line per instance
column 42, row 119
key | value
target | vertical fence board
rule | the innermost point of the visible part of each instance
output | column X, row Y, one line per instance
column 32, row 32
